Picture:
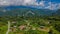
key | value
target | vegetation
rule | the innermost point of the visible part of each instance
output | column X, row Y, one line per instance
column 30, row 21
column 30, row 25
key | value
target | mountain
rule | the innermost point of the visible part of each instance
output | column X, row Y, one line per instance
column 24, row 11
column 57, row 13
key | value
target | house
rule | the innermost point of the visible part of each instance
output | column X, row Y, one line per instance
column 22, row 27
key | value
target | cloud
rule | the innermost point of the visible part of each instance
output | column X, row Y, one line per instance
column 2, row 2
column 17, row 2
column 41, row 4
column 53, row 6
column 58, row 5
column 21, row 2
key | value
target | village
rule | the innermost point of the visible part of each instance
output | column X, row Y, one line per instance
column 27, row 25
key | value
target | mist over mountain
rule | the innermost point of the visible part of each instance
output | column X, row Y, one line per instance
column 24, row 11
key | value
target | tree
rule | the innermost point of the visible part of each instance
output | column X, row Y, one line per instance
column 57, row 27
column 50, row 32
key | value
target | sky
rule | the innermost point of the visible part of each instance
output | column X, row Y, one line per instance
column 45, row 4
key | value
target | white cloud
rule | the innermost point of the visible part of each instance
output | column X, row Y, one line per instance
column 29, row 2
column 58, row 6
column 16, row 2
column 21, row 2
column 2, row 2
column 42, row 3
column 53, row 6
column 50, row 6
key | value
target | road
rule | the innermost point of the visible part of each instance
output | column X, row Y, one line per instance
column 8, row 27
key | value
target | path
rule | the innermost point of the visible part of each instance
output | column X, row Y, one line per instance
column 8, row 27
